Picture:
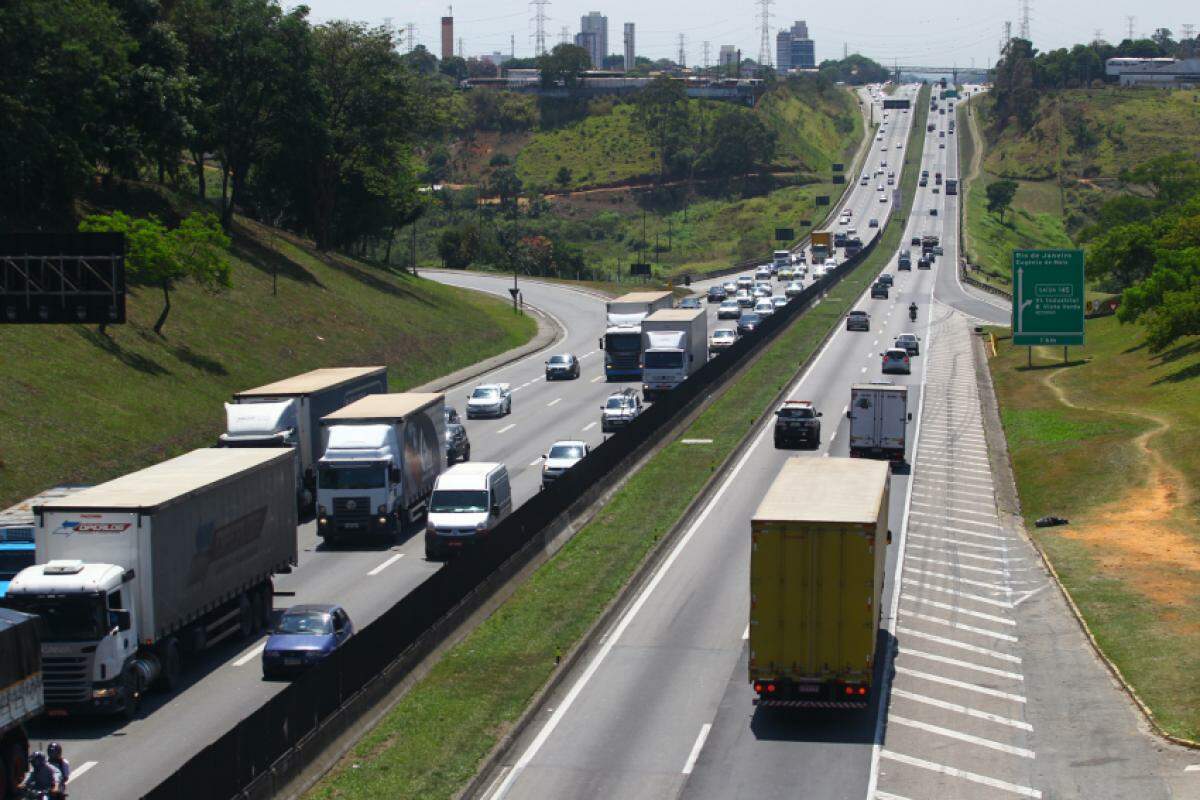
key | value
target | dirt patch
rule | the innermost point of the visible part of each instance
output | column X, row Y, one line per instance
column 1138, row 538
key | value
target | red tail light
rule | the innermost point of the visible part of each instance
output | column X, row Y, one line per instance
column 758, row 687
column 849, row 690
column 770, row 688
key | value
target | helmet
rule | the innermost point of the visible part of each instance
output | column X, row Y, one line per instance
column 54, row 750
column 38, row 759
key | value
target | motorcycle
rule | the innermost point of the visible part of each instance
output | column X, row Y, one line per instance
column 912, row 313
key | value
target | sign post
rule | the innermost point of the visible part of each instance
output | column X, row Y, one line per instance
column 1048, row 298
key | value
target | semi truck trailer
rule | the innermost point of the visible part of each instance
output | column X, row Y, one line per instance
column 674, row 345
column 817, row 559
column 622, row 340
column 20, row 695
column 287, row 414
column 138, row 575
column 383, row 454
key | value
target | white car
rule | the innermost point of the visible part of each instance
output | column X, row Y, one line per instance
column 561, row 457
column 762, row 274
column 779, row 301
column 794, row 289
column 762, row 291
column 764, row 308
column 490, row 400
column 879, row 188
column 729, row 310
column 730, row 288
column 883, row 198
column 721, row 339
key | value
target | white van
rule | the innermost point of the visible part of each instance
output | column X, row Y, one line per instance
column 468, row 500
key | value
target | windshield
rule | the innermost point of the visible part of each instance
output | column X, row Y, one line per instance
column 751, row 319
column 68, row 619
column 458, row 501
column 13, row 561
column 623, row 342
column 484, row 394
column 566, row 451
column 615, row 402
column 312, row 622
column 559, row 360
column 663, row 360
column 723, row 334
column 796, row 413
column 372, row 477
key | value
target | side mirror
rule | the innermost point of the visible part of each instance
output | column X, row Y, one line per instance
column 910, row 416
column 122, row 618
column 849, row 415
column 820, row 413
column 889, row 537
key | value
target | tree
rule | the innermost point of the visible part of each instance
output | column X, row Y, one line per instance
column 662, row 112
column 1014, row 87
column 507, row 186
column 1124, row 255
column 1000, row 195
column 1173, row 178
column 563, row 178
column 736, row 143
column 562, row 65
column 156, row 256
column 1167, row 302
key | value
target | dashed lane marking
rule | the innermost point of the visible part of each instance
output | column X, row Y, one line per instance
column 554, row 402
column 507, row 427
column 589, row 426
column 251, row 654
column 386, row 564
column 696, row 748
column 82, row 768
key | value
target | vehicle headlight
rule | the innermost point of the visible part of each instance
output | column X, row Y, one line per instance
column 100, row 694
column 482, row 526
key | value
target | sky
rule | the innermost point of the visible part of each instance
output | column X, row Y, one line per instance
column 943, row 33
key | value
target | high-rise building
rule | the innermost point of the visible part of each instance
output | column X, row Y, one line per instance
column 729, row 59
column 447, row 37
column 630, row 49
column 593, row 37
column 793, row 48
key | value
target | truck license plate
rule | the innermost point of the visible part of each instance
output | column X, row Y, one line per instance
column 808, row 688
column 351, row 526
column 454, row 543
column 291, row 662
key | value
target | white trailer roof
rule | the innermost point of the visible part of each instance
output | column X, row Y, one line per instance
column 675, row 315
column 384, row 407
column 158, row 485
column 640, row 297
column 310, row 382
column 825, row 490
column 886, row 386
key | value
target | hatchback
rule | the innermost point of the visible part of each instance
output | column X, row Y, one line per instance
column 896, row 360
column 764, row 307
column 563, row 365
column 304, row 635
column 909, row 342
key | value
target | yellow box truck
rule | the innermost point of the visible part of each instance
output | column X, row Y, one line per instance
column 817, row 554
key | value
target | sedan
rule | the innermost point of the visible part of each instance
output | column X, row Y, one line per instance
column 690, row 302
column 730, row 288
column 717, row 294
column 909, row 342
column 729, row 310
column 490, row 400
column 938, row 251
column 458, row 445
column 304, row 635
column 794, row 289
column 745, row 299
column 779, row 301
column 858, row 321
column 721, row 339
column 896, row 360
column 883, row 198
column 887, row 278
column 562, row 456
column 764, row 307
column 874, row 223
column 563, row 365
column 748, row 323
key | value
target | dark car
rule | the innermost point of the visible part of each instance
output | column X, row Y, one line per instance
column 910, row 342
column 933, row 212
column 716, row 294
column 563, row 365
column 924, row 263
column 905, row 261
column 748, row 323
column 879, row 290
column 858, row 321
column 916, row 241
column 305, row 635
column 797, row 423
column 458, row 445
column 888, row 279
column 896, row 360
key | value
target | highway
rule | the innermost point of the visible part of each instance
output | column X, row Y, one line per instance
column 225, row 684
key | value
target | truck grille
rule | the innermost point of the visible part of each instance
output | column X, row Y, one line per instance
column 65, row 679
column 343, row 511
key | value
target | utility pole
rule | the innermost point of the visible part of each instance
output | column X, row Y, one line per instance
column 512, row 45
column 539, row 22
column 845, row 50
column 460, row 48
column 764, row 45
column 707, row 46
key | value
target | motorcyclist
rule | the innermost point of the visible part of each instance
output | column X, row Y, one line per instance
column 43, row 778
column 912, row 312
column 54, row 754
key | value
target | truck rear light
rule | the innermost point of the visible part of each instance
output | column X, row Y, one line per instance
column 849, row 690
column 770, row 688
column 862, row 690
column 758, row 687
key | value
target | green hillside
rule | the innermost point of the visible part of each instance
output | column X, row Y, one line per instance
column 604, row 148
column 817, row 124
column 80, row 406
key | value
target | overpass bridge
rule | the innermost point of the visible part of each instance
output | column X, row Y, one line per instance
column 953, row 72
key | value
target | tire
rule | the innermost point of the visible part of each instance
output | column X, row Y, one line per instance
column 172, row 665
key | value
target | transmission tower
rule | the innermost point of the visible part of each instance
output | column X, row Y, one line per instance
column 410, row 36
column 707, row 45
column 1006, row 37
column 564, row 35
column 539, row 23
column 1189, row 30
column 1025, row 20
column 1098, row 36
column 1130, row 21
column 682, row 51
column 764, row 45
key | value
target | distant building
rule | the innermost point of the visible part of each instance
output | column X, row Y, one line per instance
column 496, row 58
column 630, row 49
column 794, row 50
column 1167, row 73
column 447, row 37
column 729, row 59
column 593, row 37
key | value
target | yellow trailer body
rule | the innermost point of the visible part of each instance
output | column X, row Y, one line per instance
column 818, row 549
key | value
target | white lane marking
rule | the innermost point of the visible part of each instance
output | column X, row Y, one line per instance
column 955, row 552
column 1192, row 768
column 956, row 662
column 746, row 633
column 888, row 796
column 962, row 626
column 995, row 587
column 251, row 654
column 1000, row 572
column 959, row 480
column 554, row 402
column 970, row 712
column 973, row 777
column 696, row 748
column 971, row 687
column 507, row 427
column 970, row 648
column 82, row 768
column 597, row 378
column 950, row 466
column 962, row 531
column 944, row 540
column 589, row 426
column 942, row 496
column 959, row 610
column 696, row 441
column 386, row 564
column 535, row 462
column 1028, row 595
column 962, row 737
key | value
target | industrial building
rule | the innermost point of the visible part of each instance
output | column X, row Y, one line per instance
column 794, row 49
column 1163, row 73
column 593, row 37
column 630, row 48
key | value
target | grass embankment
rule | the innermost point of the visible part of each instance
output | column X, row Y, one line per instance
column 1110, row 443
column 433, row 741
column 84, row 407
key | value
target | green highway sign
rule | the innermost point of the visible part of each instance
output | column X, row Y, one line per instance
column 1048, row 297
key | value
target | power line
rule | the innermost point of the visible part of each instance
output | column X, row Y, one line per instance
column 764, row 45
column 539, row 21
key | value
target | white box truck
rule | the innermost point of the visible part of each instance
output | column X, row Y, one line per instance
column 674, row 345
column 879, row 420
column 622, row 340
column 286, row 414
column 137, row 575
column 382, row 456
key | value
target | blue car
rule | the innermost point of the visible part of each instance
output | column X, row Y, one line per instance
column 304, row 635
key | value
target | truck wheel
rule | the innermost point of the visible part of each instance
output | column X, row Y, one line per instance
column 172, row 665
column 467, row 454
